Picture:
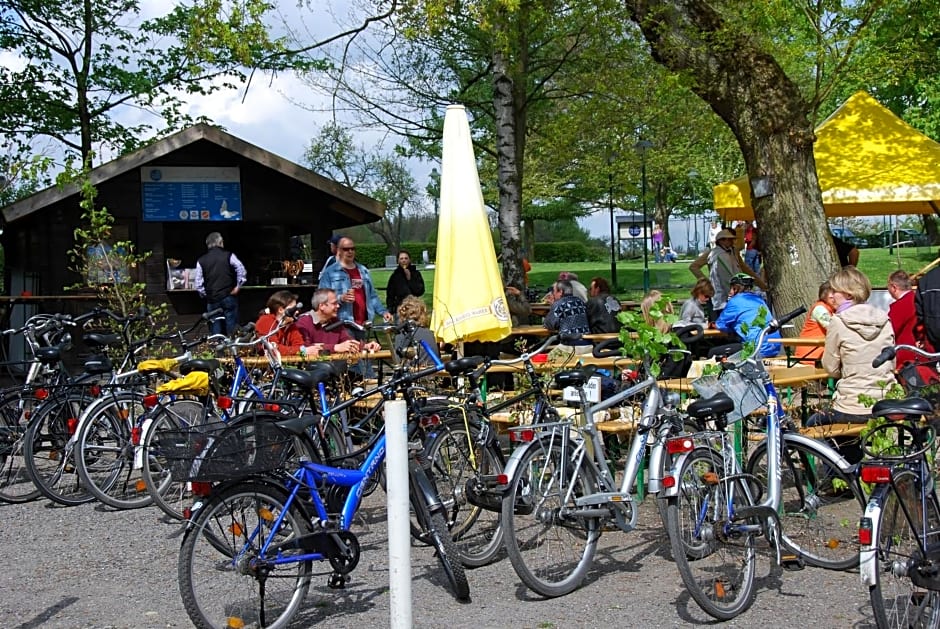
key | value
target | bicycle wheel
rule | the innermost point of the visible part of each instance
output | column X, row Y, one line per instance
column 550, row 547
column 895, row 600
column 109, row 464
column 717, row 563
column 16, row 409
column 819, row 506
column 49, row 451
column 173, row 497
column 240, row 586
column 448, row 556
column 458, row 462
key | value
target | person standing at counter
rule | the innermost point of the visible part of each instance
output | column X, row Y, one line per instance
column 219, row 277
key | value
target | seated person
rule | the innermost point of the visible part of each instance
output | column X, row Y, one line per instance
column 669, row 255
column 857, row 334
column 414, row 309
column 325, row 311
column 519, row 307
column 694, row 310
column 602, row 308
column 287, row 340
column 816, row 324
column 568, row 316
column 577, row 288
column 745, row 314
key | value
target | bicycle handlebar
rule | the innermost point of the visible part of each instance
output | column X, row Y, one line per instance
column 890, row 352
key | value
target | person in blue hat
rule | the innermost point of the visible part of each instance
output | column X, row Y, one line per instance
column 333, row 242
column 746, row 313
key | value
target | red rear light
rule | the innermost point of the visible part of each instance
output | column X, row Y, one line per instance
column 273, row 407
column 502, row 479
column 72, row 424
column 876, row 474
column 94, row 390
column 201, row 489
column 135, row 435
column 522, row 436
column 42, row 394
column 864, row 532
column 225, row 402
column 430, row 420
column 151, row 400
column 680, row 445
column 669, row 481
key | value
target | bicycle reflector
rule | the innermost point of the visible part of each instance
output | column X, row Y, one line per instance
column 276, row 408
column 94, row 390
column 72, row 425
column 430, row 420
column 225, row 402
column 680, row 445
column 864, row 531
column 150, row 400
column 876, row 474
column 522, row 436
column 42, row 394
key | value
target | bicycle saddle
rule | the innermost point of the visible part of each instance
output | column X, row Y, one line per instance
column 309, row 379
column 97, row 340
column 716, row 405
column 199, row 364
column 723, row 351
column 98, row 365
column 48, row 355
column 463, row 365
column 912, row 407
column 574, row 377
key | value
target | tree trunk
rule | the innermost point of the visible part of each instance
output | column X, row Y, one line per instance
column 767, row 114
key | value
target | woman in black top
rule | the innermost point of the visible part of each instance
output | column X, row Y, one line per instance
column 405, row 280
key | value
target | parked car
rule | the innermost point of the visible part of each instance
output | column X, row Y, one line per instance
column 849, row 236
column 899, row 238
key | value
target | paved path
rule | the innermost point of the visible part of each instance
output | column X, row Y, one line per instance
column 87, row 567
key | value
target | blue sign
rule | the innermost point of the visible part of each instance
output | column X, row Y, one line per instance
column 634, row 230
column 174, row 193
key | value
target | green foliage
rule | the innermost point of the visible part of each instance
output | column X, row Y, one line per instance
column 643, row 341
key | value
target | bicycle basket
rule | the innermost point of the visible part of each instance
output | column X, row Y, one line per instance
column 215, row 452
column 743, row 385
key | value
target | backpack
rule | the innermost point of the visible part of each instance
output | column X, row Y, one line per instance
column 927, row 305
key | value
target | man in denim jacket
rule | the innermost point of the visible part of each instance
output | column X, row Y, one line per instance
column 354, row 287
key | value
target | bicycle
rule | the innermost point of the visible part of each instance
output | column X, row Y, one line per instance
column 714, row 510
column 561, row 492
column 255, row 539
column 899, row 531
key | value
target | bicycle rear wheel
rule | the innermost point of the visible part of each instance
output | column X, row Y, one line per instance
column 459, row 464
column 49, row 451
column 715, row 559
column 225, row 579
column 819, row 508
column 16, row 409
column 550, row 547
column 895, row 600
column 108, row 463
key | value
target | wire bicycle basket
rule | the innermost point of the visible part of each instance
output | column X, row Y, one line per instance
column 743, row 384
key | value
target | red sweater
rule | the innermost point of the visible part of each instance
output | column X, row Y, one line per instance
column 313, row 332
column 289, row 340
column 904, row 321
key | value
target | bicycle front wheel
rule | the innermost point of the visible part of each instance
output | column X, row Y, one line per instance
column 460, row 463
column 49, row 451
column 108, row 463
column 716, row 559
column 15, row 412
column 550, row 544
column 895, row 600
column 225, row 579
column 819, row 506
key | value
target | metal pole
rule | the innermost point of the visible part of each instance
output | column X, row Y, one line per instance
column 646, row 259
column 399, row 522
column 613, row 235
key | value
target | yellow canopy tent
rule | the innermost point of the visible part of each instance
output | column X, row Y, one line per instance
column 869, row 163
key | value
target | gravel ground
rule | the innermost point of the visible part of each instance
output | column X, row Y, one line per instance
column 89, row 567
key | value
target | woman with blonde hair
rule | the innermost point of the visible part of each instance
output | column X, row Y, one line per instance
column 414, row 309
column 857, row 333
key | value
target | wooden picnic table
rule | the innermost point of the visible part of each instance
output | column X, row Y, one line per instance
column 781, row 377
column 351, row 357
column 541, row 309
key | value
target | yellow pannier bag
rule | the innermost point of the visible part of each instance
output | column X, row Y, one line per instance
column 159, row 364
column 196, row 382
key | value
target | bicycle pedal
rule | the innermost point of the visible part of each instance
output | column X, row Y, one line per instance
column 337, row 581
column 792, row 563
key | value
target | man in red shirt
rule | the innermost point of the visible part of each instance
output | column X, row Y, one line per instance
column 903, row 315
column 312, row 326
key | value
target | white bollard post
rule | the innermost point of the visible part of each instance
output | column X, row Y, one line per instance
column 399, row 529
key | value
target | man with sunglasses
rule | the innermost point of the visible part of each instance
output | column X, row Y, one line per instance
column 354, row 287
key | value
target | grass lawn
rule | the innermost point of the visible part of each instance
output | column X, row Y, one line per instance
column 674, row 279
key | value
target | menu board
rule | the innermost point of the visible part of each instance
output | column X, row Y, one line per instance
column 193, row 194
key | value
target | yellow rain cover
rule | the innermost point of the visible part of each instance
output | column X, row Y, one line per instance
column 158, row 364
column 195, row 382
column 469, row 303
column 869, row 162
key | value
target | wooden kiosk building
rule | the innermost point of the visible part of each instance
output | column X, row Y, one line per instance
column 166, row 197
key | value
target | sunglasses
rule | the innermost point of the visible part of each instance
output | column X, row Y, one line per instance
column 347, row 248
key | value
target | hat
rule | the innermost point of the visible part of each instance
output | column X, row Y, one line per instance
column 742, row 279
column 334, row 240
column 724, row 233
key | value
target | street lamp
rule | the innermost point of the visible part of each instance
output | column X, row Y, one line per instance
column 434, row 189
column 642, row 146
column 693, row 175
column 613, row 233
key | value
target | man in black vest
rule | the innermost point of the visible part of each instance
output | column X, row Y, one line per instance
column 219, row 276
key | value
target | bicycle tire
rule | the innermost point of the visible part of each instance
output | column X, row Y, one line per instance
column 109, row 464
column 550, row 552
column 717, row 569
column 220, row 589
column 169, row 495
column 819, row 507
column 457, row 459
column 448, row 556
column 895, row 600
column 49, row 451
column 16, row 409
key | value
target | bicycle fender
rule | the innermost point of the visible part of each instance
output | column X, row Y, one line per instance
column 518, row 453
column 867, row 564
column 423, row 487
column 677, row 463
column 823, row 448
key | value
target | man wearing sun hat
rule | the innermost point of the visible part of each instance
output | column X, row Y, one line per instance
column 723, row 263
column 333, row 242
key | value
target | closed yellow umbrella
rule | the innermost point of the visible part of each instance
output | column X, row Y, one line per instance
column 469, row 302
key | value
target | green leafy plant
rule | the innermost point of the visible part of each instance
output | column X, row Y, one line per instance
column 645, row 341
